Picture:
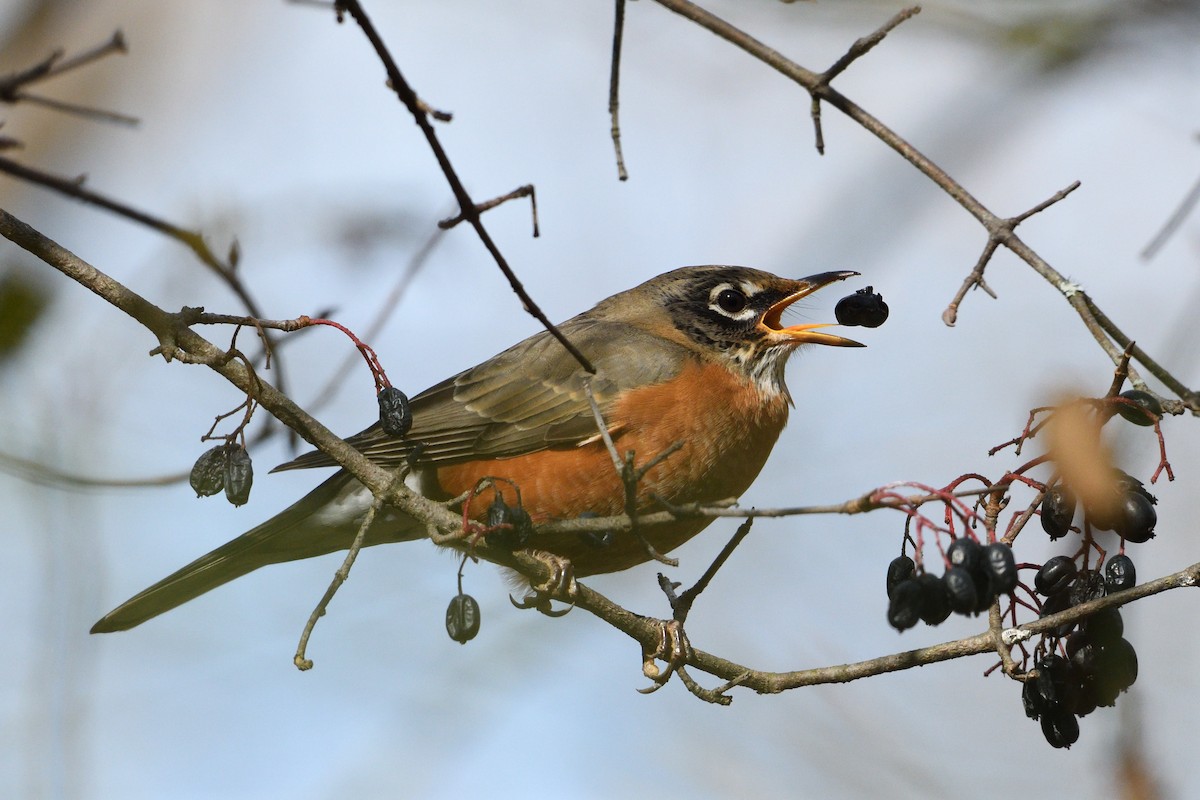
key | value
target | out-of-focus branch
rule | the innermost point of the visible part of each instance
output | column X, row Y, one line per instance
column 1102, row 328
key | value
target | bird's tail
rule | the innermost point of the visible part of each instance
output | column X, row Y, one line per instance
column 323, row 521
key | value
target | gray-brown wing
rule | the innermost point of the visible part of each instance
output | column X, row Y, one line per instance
column 528, row 398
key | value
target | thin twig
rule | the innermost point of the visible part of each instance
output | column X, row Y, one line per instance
column 521, row 191
column 614, row 83
column 466, row 205
column 811, row 82
column 343, row 573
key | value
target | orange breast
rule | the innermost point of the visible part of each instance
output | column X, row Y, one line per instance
column 726, row 427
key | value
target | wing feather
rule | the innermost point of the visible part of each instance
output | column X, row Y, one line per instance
column 526, row 399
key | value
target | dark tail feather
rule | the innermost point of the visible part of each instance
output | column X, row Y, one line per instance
column 288, row 536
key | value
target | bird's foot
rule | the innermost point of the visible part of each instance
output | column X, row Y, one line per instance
column 673, row 647
column 559, row 586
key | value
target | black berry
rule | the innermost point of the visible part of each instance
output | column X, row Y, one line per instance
column 1055, row 575
column 239, row 475
column 1120, row 574
column 1060, row 728
column 965, row 553
column 901, row 568
column 865, row 307
column 1058, row 509
column 904, row 606
column 935, row 602
column 462, row 618
column 960, row 588
column 998, row 557
column 1143, row 408
column 395, row 414
column 208, row 473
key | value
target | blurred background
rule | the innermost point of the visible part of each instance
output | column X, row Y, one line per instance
column 269, row 124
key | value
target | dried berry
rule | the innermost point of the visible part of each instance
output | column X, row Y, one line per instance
column 1031, row 698
column 208, row 473
column 865, row 307
column 239, row 475
column 1143, row 408
column 1120, row 574
column 904, row 605
column 1060, row 728
column 960, row 588
column 1053, row 682
column 998, row 557
column 1058, row 509
column 462, row 618
column 511, row 525
column 395, row 414
column 1088, row 585
column 899, row 569
column 935, row 602
column 1055, row 575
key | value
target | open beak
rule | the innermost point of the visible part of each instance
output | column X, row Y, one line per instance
column 810, row 333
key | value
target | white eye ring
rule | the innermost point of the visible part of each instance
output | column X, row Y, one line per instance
column 731, row 301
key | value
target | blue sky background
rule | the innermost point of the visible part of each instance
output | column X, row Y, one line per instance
column 269, row 123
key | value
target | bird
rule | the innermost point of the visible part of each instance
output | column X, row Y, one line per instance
column 692, row 359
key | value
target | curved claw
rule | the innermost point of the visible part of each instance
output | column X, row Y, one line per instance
column 541, row 602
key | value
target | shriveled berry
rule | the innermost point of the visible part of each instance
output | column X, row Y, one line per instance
column 511, row 525
column 1053, row 681
column 1120, row 574
column 1135, row 518
column 208, row 473
column 965, row 553
column 1060, row 728
column 239, row 475
column 1032, row 700
column 462, row 618
column 1055, row 575
column 1058, row 510
column 904, row 606
column 1143, row 408
column 1127, row 483
column 960, row 588
column 395, row 413
column 1088, row 585
column 935, row 602
column 1002, row 565
column 899, row 569
column 865, row 307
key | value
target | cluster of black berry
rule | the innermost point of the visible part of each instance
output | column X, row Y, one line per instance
column 1099, row 662
column 1129, row 511
column 227, row 468
column 975, row 576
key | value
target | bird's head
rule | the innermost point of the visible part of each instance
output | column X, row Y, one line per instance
column 730, row 314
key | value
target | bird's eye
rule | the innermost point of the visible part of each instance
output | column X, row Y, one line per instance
column 731, row 301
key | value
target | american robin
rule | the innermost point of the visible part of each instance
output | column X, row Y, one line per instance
column 694, row 356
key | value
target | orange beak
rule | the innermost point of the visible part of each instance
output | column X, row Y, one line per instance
column 809, row 333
